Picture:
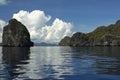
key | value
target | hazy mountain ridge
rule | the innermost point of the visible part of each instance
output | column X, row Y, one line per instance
column 44, row 44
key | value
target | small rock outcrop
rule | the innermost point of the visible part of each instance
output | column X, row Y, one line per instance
column 16, row 34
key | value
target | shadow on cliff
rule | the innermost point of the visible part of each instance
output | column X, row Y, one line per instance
column 14, row 58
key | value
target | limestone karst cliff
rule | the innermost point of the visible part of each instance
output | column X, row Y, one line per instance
column 101, row 36
column 16, row 34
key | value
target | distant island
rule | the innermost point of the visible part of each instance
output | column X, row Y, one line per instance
column 101, row 36
column 45, row 44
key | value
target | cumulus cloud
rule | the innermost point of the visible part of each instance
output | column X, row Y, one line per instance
column 56, row 31
column 2, row 24
column 36, row 22
column 3, row 2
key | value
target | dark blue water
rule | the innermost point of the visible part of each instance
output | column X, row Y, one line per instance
column 64, row 63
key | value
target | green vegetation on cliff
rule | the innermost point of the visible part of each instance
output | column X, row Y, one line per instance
column 113, row 30
column 103, row 35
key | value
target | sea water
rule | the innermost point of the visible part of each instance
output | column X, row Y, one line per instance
column 63, row 63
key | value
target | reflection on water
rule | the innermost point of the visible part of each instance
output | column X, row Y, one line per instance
column 104, row 60
column 98, row 51
column 70, row 63
column 15, row 55
column 48, row 63
column 12, row 58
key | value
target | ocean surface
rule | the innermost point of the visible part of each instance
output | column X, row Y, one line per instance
column 59, row 63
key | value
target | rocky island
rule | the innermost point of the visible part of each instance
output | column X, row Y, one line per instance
column 16, row 34
column 102, row 36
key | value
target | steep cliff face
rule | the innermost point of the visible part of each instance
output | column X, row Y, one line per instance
column 102, row 36
column 16, row 34
column 65, row 41
column 79, row 39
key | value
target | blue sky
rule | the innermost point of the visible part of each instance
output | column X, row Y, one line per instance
column 85, row 15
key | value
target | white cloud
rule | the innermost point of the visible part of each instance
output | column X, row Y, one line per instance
column 36, row 21
column 2, row 24
column 3, row 2
column 56, row 31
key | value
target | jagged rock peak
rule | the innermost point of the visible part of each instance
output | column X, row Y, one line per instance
column 12, row 21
